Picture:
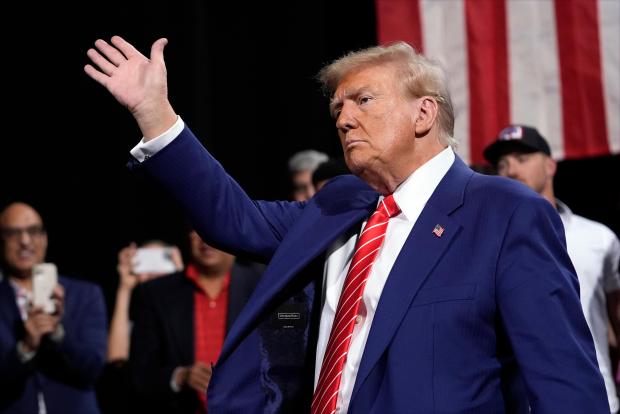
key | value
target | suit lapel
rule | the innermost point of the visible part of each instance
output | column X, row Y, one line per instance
column 419, row 255
column 327, row 216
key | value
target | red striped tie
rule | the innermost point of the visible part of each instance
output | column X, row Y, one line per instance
column 366, row 250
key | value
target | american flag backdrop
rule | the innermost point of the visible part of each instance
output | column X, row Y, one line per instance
column 552, row 64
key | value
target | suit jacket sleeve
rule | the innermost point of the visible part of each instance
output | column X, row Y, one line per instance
column 219, row 209
column 80, row 357
column 538, row 297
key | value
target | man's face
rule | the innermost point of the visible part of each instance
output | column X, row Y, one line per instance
column 375, row 120
column 24, row 241
column 207, row 258
column 302, row 186
column 533, row 169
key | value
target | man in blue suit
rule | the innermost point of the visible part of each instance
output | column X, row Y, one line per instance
column 469, row 284
column 48, row 362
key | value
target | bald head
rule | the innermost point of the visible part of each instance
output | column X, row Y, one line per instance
column 24, row 241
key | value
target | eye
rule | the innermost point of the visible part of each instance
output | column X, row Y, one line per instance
column 501, row 166
column 364, row 99
column 336, row 111
column 523, row 157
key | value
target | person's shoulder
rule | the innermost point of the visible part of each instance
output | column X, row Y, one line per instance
column 590, row 226
column 500, row 189
column 71, row 283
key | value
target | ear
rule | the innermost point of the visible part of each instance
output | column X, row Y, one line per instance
column 427, row 115
column 551, row 166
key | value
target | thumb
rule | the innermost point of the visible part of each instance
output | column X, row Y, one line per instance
column 157, row 50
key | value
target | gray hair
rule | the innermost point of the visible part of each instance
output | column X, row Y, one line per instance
column 307, row 160
column 419, row 75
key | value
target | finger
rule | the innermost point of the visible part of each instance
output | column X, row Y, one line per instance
column 202, row 378
column 35, row 311
column 199, row 386
column 111, row 53
column 203, row 384
column 59, row 292
column 98, row 76
column 124, row 46
column 103, row 64
column 177, row 259
column 157, row 50
column 203, row 368
column 124, row 256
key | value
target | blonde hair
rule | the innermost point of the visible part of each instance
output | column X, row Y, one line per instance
column 419, row 75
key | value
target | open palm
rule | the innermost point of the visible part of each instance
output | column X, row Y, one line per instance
column 137, row 82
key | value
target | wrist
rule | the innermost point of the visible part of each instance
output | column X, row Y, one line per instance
column 156, row 120
column 124, row 290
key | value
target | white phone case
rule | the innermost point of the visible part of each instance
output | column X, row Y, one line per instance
column 44, row 280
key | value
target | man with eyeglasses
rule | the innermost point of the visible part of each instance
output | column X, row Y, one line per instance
column 48, row 361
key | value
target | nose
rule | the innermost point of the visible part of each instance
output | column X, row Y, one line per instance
column 346, row 118
column 511, row 169
column 24, row 238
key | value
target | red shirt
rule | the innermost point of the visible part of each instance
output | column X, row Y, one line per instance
column 209, row 322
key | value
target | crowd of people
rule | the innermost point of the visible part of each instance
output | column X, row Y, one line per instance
column 397, row 280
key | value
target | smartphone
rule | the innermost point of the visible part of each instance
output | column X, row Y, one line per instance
column 153, row 260
column 44, row 280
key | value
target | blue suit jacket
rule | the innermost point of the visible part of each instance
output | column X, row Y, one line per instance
column 495, row 295
column 64, row 373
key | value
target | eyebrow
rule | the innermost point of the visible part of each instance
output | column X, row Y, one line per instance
column 336, row 103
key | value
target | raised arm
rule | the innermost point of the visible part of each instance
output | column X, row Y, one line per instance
column 137, row 82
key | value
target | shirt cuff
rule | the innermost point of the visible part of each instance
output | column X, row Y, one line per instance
column 23, row 355
column 144, row 150
column 173, row 383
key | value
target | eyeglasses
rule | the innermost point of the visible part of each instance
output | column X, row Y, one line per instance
column 15, row 233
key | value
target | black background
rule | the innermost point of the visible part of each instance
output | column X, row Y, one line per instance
column 241, row 76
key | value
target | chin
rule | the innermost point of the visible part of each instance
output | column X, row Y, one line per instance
column 356, row 166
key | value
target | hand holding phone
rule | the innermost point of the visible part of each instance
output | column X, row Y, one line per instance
column 44, row 280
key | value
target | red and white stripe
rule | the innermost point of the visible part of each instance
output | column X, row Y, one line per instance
column 552, row 64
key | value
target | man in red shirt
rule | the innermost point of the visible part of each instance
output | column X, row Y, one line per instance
column 179, row 326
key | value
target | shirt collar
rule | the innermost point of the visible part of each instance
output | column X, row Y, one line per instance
column 191, row 272
column 563, row 210
column 413, row 194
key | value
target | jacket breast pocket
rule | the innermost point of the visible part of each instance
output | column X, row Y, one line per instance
column 427, row 296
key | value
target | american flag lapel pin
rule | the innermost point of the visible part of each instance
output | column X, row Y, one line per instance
column 438, row 230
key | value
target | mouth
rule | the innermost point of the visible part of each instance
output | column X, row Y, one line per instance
column 25, row 254
column 351, row 143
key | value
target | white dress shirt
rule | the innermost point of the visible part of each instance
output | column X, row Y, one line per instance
column 411, row 196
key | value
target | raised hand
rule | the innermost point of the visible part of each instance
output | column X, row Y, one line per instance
column 127, row 280
column 137, row 82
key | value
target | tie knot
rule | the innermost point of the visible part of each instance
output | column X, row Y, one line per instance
column 388, row 205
